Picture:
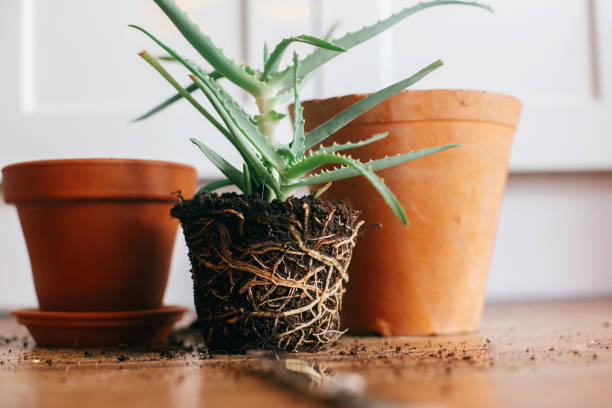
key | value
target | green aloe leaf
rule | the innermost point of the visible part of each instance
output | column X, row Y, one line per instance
column 384, row 191
column 282, row 79
column 233, row 133
column 317, row 160
column 271, row 116
column 321, row 132
column 167, row 58
column 376, row 165
column 246, row 124
column 176, row 97
column 189, row 89
column 203, row 44
column 351, row 145
column 232, row 173
column 248, row 186
column 274, row 59
column 266, row 52
column 237, row 135
column 299, row 138
column 214, row 185
column 286, row 152
column 183, row 92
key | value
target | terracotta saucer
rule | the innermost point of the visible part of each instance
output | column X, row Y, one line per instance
column 100, row 329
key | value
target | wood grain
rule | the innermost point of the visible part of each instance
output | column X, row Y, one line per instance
column 549, row 354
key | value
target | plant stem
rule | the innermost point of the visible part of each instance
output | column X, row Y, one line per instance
column 267, row 127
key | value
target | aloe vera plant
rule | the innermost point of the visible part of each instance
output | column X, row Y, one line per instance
column 272, row 168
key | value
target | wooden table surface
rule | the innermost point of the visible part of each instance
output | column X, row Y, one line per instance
column 545, row 354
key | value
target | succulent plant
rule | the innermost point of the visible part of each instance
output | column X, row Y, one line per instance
column 272, row 168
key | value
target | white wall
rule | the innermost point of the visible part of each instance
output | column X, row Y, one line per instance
column 71, row 80
column 554, row 237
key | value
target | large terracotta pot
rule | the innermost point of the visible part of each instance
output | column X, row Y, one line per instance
column 98, row 231
column 429, row 277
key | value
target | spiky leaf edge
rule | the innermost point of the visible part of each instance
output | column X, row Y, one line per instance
column 232, row 173
column 232, row 133
column 324, row 130
column 274, row 59
column 282, row 79
column 203, row 44
column 299, row 138
column 376, row 165
column 318, row 159
column 335, row 147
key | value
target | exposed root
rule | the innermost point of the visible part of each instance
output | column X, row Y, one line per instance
column 268, row 275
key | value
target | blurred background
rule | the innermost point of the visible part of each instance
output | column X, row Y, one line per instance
column 70, row 82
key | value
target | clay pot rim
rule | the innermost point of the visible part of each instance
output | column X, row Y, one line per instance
column 65, row 179
column 417, row 91
column 96, row 160
column 427, row 105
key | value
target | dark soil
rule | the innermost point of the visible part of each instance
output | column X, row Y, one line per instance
column 268, row 275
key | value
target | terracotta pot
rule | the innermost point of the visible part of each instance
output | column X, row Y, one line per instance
column 98, row 231
column 429, row 277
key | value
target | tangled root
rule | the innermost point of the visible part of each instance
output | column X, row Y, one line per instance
column 268, row 275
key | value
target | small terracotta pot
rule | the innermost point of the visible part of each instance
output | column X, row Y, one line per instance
column 429, row 277
column 98, row 231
